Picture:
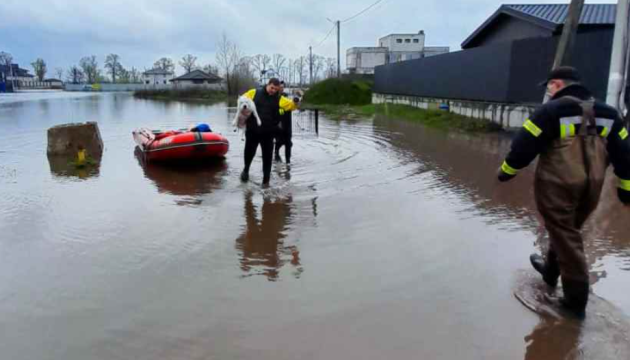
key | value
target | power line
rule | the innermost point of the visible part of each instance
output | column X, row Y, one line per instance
column 361, row 12
column 326, row 37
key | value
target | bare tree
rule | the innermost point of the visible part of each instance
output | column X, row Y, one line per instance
column 188, row 63
column 134, row 75
column 300, row 67
column 165, row 64
column 124, row 76
column 59, row 73
column 39, row 68
column 90, row 68
column 228, row 57
column 112, row 64
column 75, row 75
column 331, row 67
column 211, row 69
column 318, row 65
column 278, row 63
column 7, row 60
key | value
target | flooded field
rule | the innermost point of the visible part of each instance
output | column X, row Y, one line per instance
column 383, row 239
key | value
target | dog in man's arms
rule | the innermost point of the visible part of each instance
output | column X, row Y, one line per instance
column 244, row 109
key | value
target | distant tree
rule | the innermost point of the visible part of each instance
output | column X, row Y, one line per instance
column 331, row 67
column 211, row 69
column 135, row 76
column 188, row 63
column 277, row 63
column 75, row 75
column 300, row 67
column 318, row 63
column 59, row 73
column 165, row 64
column 6, row 58
column 228, row 58
column 90, row 68
column 113, row 66
column 124, row 76
column 39, row 68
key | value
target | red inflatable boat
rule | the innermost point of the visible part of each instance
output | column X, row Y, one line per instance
column 180, row 144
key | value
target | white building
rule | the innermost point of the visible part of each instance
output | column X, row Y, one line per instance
column 157, row 77
column 391, row 48
column 363, row 60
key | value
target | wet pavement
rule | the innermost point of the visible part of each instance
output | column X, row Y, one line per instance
column 382, row 239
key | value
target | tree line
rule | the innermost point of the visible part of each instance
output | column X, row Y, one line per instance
column 239, row 71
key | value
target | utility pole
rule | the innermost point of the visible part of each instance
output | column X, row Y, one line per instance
column 565, row 45
column 338, row 48
column 310, row 65
column 619, row 57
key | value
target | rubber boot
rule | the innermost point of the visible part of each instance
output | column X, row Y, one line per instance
column 575, row 297
column 549, row 270
column 244, row 176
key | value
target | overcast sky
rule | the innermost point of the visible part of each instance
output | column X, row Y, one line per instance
column 141, row 31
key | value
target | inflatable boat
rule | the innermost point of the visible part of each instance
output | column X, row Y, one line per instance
column 158, row 145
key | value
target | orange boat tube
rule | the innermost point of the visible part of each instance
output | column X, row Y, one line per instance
column 180, row 145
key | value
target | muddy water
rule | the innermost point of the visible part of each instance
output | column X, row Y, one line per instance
column 383, row 239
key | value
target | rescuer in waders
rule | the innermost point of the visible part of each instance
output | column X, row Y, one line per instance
column 576, row 138
column 285, row 131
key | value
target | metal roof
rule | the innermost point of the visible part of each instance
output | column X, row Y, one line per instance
column 198, row 75
column 549, row 16
column 157, row 72
column 592, row 14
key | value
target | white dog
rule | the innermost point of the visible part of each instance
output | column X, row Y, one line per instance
column 244, row 110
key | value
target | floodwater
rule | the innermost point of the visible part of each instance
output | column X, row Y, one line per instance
column 383, row 239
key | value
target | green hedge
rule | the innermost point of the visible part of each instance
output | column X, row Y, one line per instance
column 339, row 91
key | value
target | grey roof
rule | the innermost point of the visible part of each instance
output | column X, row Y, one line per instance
column 198, row 75
column 592, row 14
column 157, row 72
column 549, row 16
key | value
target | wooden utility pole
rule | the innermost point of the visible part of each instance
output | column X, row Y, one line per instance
column 568, row 36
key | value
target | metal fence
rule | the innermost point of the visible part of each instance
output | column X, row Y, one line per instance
column 505, row 73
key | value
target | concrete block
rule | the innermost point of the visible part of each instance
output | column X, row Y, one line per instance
column 69, row 139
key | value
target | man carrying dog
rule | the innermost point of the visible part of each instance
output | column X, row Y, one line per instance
column 269, row 106
column 576, row 138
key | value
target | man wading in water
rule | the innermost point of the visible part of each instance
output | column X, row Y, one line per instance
column 576, row 138
column 268, row 105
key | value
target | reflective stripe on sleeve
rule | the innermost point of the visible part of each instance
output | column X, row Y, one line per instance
column 532, row 128
column 508, row 169
column 624, row 184
column 623, row 134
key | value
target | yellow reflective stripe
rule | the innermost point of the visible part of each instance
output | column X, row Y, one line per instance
column 571, row 129
column 604, row 132
column 532, row 128
column 250, row 94
column 286, row 104
column 508, row 169
column 623, row 134
column 624, row 184
column 563, row 131
column 281, row 111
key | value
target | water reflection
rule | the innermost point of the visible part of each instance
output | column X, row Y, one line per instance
column 63, row 166
column 554, row 339
column 261, row 244
column 185, row 179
